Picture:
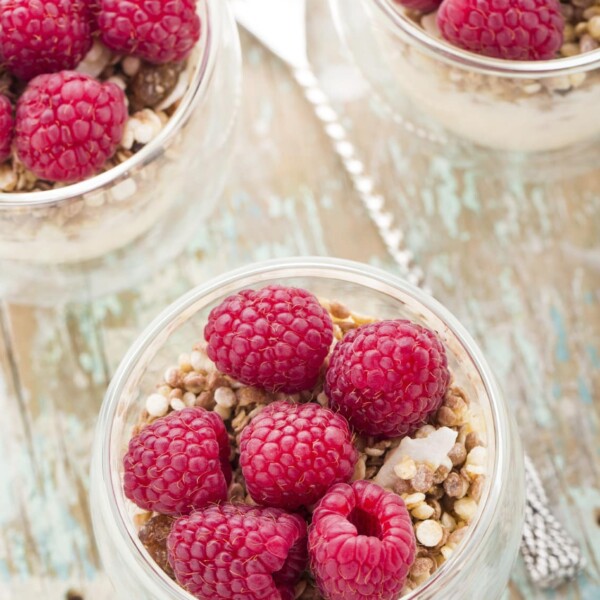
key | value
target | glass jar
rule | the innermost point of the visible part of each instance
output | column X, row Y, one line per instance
column 478, row 568
column 111, row 230
column 455, row 98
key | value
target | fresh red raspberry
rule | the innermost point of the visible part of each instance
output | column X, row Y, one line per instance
column 159, row 32
column 291, row 454
column 361, row 543
column 387, row 377
column 178, row 463
column 275, row 338
column 69, row 125
column 43, row 36
column 7, row 126
column 510, row 29
column 238, row 552
column 422, row 6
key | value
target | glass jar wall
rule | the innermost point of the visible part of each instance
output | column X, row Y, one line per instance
column 478, row 568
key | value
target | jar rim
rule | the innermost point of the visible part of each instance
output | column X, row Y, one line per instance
column 360, row 274
column 455, row 56
column 196, row 90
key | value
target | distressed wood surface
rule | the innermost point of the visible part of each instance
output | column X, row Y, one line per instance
column 518, row 264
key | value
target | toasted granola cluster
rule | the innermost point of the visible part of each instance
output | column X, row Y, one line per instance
column 439, row 470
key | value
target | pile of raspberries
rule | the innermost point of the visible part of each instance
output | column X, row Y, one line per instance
column 382, row 379
column 506, row 29
column 65, row 125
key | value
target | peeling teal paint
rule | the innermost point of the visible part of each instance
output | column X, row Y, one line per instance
column 311, row 206
column 498, row 352
column 471, row 193
column 428, row 201
column 510, row 294
column 264, row 121
column 594, row 356
column 588, row 588
column 562, row 349
column 449, row 205
column 584, row 391
column 536, row 393
column 326, row 201
column 439, row 270
column 254, row 55
column 539, row 198
column 5, row 574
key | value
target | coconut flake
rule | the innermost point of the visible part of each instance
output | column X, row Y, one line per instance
column 432, row 450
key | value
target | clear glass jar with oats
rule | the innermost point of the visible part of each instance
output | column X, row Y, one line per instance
column 480, row 106
column 64, row 241
column 460, row 475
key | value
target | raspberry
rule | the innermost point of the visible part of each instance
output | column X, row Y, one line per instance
column 510, row 29
column 387, row 377
column 7, row 125
column 275, row 338
column 69, row 125
column 291, row 454
column 178, row 463
column 238, row 552
column 361, row 543
column 422, row 6
column 159, row 32
column 43, row 36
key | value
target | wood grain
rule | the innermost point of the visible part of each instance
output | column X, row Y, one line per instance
column 518, row 264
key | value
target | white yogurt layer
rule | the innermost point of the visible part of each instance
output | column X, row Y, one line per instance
column 542, row 121
column 110, row 228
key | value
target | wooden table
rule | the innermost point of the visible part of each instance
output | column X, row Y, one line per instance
column 519, row 265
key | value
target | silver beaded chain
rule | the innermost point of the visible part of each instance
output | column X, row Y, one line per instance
column 551, row 556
